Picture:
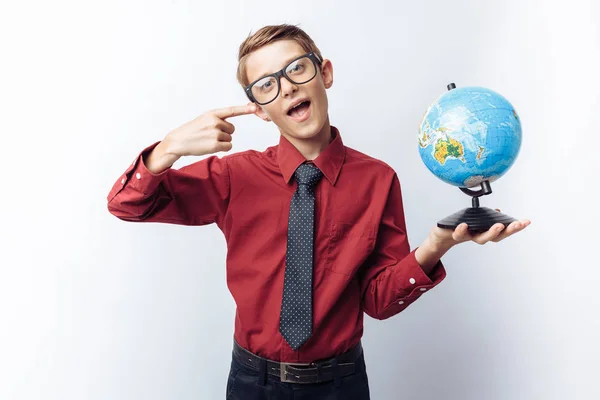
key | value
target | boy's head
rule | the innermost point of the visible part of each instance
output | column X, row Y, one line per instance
column 305, row 78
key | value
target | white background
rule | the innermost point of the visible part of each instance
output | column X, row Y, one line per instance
column 95, row 308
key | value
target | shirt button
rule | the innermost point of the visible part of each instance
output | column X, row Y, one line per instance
column 423, row 289
column 412, row 281
column 401, row 302
column 138, row 175
column 123, row 181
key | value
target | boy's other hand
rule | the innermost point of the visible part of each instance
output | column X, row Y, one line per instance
column 446, row 238
column 209, row 133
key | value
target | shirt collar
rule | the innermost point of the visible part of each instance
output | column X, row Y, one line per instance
column 329, row 161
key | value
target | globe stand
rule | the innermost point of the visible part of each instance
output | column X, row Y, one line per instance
column 479, row 219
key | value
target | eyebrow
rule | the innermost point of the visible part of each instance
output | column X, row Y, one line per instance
column 289, row 60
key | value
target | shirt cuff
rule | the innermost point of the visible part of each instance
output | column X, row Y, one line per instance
column 138, row 177
column 413, row 281
column 142, row 179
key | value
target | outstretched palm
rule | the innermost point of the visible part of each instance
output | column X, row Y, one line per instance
column 461, row 234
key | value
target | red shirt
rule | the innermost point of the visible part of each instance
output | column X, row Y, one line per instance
column 362, row 260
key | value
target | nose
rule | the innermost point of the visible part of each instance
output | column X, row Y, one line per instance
column 287, row 87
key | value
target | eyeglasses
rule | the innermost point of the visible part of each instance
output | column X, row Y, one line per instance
column 299, row 71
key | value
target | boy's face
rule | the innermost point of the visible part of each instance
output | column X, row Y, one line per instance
column 306, row 122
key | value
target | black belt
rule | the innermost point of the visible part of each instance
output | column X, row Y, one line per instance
column 314, row 372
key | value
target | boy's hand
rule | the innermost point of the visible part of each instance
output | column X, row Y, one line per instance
column 209, row 133
column 446, row 238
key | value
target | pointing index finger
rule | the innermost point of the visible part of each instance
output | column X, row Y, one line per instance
column 235, row 111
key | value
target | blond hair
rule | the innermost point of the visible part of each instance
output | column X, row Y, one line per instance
column 267, row 35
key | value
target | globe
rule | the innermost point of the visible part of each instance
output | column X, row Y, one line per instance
column 469, row 137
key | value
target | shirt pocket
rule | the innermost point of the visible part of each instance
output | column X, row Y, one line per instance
column 349, row 246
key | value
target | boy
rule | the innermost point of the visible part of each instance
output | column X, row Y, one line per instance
column 315, row 230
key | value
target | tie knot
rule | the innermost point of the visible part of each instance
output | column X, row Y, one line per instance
column 308, row 174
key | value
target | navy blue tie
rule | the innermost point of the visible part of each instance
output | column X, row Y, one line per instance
column 295, row 324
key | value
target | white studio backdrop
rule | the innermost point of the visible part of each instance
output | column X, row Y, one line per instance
column 95, row 308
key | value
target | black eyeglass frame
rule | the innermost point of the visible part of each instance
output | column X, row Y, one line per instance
column 316, row 60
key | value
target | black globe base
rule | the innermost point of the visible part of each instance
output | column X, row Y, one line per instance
column 478, row 219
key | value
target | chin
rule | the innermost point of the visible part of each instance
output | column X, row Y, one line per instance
column 308, row 130
column 303, row 133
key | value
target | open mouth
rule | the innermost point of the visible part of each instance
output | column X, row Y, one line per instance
column 301, row 111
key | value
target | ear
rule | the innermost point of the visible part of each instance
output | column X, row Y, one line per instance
column 327, row 73
column 260, row 113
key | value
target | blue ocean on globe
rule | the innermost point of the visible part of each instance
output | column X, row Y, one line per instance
column 468, row 135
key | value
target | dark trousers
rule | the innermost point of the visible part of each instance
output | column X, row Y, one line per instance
column 245, row 383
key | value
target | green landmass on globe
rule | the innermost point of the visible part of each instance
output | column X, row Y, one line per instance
column 446, row 146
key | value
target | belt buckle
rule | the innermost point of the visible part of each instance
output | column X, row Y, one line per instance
column 283, row 373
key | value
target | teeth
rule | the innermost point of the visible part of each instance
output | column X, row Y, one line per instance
column 297, row 105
